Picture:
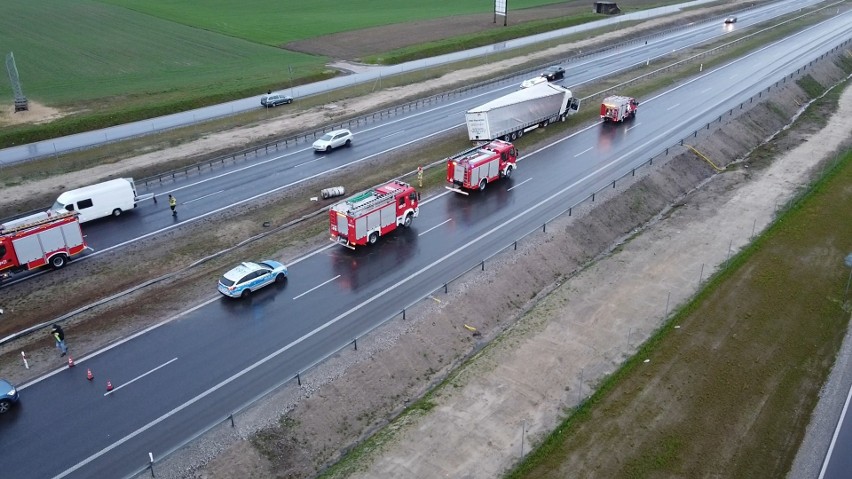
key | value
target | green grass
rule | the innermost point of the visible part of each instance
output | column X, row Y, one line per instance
column 275, row 22
column 84, row 50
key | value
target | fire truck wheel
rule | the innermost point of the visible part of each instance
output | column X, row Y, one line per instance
column 373, row 237
column 407, row 221
column 508, row 173
column 482, row 184
column 58, row 261
column 116, row 212
column 246, row 293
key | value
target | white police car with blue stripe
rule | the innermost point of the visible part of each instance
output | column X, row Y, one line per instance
column 249, row 276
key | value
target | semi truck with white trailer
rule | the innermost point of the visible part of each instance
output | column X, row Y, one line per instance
column 510, row 116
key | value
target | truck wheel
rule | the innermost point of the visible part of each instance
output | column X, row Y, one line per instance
column 482, row 184
column 520, row 133
column 373, row 238
column 563, row 117
column 58, row 261
column 407, row 221
column 116, row 212
column 508, row 173
column 545, row 123
column 513, row 136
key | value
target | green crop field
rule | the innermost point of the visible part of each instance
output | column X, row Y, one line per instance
column 71, row 51
column 275, row 22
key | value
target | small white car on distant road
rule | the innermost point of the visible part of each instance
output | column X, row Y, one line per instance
column 333, row 139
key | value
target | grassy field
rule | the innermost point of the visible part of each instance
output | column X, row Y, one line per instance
column 275, row 22
column 743, row 373
column 85, row 50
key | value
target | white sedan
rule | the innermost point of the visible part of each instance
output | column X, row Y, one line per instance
column 333, row 139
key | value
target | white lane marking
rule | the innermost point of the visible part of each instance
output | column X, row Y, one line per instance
column 128, row 383
column 317, row 287
column 634, row 126
column 201, row 197
column 584, row 151
column 673, row 107
column 391, row 134
column 836, row 433
column 706, row 90
column 437, row 225
column 366, row 302
column 519, row 184
column 308, row 162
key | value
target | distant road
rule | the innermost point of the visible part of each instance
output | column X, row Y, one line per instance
column 79, row 141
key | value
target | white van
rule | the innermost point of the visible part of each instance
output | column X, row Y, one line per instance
column 96, row 201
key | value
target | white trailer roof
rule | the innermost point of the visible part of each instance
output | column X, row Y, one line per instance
column 541, row 90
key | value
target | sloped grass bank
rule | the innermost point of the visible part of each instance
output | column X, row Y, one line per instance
column 744, row 365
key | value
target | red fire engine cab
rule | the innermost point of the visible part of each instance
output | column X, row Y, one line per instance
column 618, row 108
column 38, row 240
column 361, row 219
column 475, row 168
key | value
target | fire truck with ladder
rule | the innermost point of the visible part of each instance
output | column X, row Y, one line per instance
column 38, row 240
column 362, row 218
column 618, row 108
column 474, row 168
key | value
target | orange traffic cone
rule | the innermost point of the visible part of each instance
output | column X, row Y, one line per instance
column 89, row 375
column 70, row 361
column 109, row 385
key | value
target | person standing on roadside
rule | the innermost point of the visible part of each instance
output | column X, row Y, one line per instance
column 173, row 205
column 59, row 336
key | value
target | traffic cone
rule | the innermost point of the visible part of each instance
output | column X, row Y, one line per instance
column 70, row 361
column 109, row 385
column 89, row 375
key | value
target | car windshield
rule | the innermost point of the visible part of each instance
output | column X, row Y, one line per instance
column 226, row 282
column 327, row 137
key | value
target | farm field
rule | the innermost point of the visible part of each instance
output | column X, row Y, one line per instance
column 272, row 22
column 87, row 50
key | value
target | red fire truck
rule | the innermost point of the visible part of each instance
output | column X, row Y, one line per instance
column 37, row 240
column 618, row 108
column 364, row 217
column 478, row 166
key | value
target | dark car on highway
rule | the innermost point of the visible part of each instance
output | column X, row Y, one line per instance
column 554, row 73
column 731, row 20
column 275, row 99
